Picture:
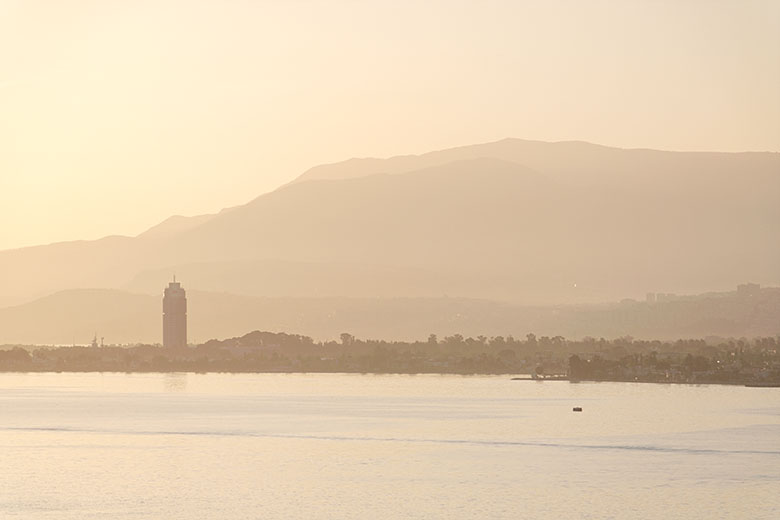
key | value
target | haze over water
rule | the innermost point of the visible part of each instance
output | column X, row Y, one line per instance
column 547, row 186
column 77, row 446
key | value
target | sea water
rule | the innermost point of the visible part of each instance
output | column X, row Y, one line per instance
column 343, row 446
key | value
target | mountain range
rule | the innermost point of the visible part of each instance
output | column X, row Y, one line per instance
column 515, row 221
column 121, row 317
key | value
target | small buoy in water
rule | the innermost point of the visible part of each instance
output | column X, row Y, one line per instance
column 576, row 409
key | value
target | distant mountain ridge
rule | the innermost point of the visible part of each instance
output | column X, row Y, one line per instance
column 74, row 316
column 175, row 224
column 514, row 220
column 551, row 157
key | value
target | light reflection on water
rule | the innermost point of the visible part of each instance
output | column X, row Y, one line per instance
column 175, row 381
column 357, row 446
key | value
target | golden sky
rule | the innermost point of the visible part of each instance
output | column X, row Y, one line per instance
column 117, row 114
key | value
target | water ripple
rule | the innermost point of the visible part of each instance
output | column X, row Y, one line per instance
column 344, row 438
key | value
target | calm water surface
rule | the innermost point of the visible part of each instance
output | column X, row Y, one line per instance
column 190, row 446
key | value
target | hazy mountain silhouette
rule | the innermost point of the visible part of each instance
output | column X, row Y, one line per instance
column 515, row 220
column 175, row 224
column 123, row 317
column 565, row 160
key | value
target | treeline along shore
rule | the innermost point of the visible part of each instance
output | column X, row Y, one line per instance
column 740, row 361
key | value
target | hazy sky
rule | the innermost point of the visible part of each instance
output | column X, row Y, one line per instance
column 117, row 114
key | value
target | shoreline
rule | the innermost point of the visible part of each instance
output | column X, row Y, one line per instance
column 516, row 377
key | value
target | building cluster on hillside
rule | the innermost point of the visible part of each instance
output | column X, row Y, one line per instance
column 743, row 290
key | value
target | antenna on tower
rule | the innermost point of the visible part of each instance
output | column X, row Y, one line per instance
column 174, row 277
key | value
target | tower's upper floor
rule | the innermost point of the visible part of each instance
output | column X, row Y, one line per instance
column 175, row 299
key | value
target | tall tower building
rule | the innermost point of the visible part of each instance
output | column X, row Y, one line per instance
column 174, row 316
